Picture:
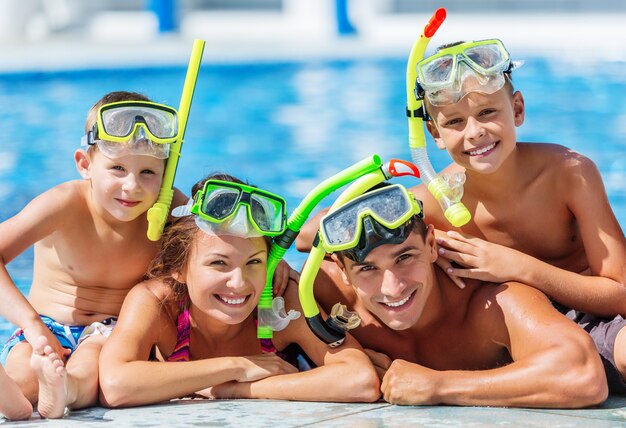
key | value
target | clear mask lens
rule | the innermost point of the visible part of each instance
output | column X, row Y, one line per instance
column 138, row 144
column 121, row 121
column 237, row 225
column 387, row 207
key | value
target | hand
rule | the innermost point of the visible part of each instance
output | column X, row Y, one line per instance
column 37, row 329
column 258, row 367
column 282, row 276
column 483, row 260
column 381, row 361
column 409, row 384
column 446, row 266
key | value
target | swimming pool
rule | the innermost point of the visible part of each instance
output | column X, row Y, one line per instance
column 286, row 126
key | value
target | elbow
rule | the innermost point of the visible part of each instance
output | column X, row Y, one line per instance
column 114, row 392
column 585, row 382
column 365, row 386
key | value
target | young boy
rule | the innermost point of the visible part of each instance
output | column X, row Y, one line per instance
column 91, row 248
column 540, row 213
column 433, row 343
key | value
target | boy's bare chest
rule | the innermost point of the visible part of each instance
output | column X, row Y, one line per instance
column 93, row 261
column 543, row 228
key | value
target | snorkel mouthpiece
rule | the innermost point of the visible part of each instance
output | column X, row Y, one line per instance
column 449, row 198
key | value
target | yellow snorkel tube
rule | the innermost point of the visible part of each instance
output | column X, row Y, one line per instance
column 157, row 215
column 447, row 194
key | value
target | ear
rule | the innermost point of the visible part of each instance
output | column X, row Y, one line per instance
column 82, row 159
column 430, row 243
column 180, row 276
column 518, row 108
column 432, row 129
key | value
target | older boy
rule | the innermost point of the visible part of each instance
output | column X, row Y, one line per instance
column 540, row 213
column 433, row 343
column 90, row 250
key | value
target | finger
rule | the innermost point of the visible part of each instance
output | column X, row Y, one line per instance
column 455, row 278
column 452, row 244
column 469, row 273
column 460, row 258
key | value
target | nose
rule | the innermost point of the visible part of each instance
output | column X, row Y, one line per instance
column 236, row 280
column 131, row 184
column 474, row 129
column 392, row 285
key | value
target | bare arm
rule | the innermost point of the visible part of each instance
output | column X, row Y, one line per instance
column 344, row 374
column 555, row 363
column 41, row 217
column 304, row 241
column 127, row 378
column 601, row 293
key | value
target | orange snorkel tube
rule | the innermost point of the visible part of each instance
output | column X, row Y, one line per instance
column 446, row 191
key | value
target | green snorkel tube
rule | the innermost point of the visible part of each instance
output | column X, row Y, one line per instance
column 333, row 330
column 295, row 222
column 157, row 215
column 447, row 194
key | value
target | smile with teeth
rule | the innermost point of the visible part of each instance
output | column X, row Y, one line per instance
column 399, row 302
column 230, row 300
column 482, row 150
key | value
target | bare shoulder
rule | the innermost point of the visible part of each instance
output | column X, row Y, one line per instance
column 152, row 289
column 492, row 303
column 557, row 157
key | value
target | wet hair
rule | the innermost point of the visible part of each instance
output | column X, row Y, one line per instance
column 111, row 97
column 177, row 240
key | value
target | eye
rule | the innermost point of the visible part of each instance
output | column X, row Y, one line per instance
column 148, row 171
column 217, row 263
column 118, row 168
column 487, row 111
column 366, row 268
column 255, row 262
column 403, row 257
column 453, row 122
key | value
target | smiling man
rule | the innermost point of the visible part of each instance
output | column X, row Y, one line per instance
column 434, row 343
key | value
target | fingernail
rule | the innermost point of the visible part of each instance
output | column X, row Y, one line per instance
column 441, row 251
column 449, row 270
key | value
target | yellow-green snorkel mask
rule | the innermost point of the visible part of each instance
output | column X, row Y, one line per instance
column 134, row 128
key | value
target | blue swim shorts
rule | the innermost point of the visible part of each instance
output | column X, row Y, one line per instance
column 70, row 336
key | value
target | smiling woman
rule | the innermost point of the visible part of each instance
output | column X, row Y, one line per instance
column 199, row 310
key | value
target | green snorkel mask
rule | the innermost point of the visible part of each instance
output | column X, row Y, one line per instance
column 448, row 191
column 157, row 215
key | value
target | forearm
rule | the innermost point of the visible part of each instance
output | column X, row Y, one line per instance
column 342, row 382
column 145, row 382
column 593, row 294
column 530, row 383
column 13, row 304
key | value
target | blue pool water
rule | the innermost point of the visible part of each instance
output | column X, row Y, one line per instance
column 287, row 126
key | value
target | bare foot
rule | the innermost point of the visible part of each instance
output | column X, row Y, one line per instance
column 51, row 375
column 13, row 404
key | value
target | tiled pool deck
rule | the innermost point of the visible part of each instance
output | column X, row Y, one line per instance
column 283, row 414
